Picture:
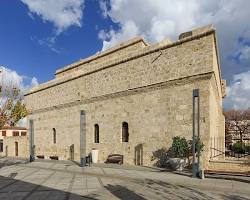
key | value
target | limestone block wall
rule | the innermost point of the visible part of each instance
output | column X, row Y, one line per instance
column 9, row 148
column 101, row 58
column 230, row 166
column 66, row 123
column 151, row 91
column 154, row 116
column 188, row 59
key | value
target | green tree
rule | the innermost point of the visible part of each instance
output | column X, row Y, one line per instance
column 12, row 108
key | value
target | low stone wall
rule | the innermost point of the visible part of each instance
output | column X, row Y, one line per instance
column 230, row 166
column 10, row 143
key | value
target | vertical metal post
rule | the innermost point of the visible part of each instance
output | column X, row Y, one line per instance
column 31, row 139
column 82, row 137
column 198, row 130
column 195, row 96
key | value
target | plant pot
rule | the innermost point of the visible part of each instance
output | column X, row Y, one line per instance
column 178, row 164
column 94, row 155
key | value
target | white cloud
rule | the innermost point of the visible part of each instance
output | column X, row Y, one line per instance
column 48, row 42
column 111, row 38
column 244, row 53
column 159, row 19
column 238, row 93
column 62, row 13
column 11, row 78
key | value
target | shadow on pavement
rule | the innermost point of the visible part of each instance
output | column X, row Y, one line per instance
column 16, row 189
column 123, row 193
column 7, row 161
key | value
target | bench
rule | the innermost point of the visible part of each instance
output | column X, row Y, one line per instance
column 53, row 157
column 115, row 158
column 40, row 156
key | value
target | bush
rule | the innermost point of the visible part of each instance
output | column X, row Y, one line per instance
column 247, row 148
column 161, row 157
column 238, row 147
column 180, row 147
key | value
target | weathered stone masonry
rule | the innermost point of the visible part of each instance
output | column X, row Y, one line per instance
column 149, row 87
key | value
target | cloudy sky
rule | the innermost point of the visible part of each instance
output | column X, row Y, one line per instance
column 40, row 36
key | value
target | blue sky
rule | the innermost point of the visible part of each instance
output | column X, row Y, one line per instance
column 20, row 35
column 39, row 36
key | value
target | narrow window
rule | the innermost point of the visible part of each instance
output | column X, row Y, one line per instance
column 54, row 135
column 96, row 133
column 3, row 133
column 23, row 133
column 125, row 133
column 15, row 133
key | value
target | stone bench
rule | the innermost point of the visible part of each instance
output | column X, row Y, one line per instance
column 53, row 157
column 40, row 156
column 115, row 158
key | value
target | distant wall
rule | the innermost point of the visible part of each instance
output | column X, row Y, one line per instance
column 9, row 148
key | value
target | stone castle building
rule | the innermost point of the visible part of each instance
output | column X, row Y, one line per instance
column 130, row 99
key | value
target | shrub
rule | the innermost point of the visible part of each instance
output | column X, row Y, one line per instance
column 161, row 157
column 247, row 148
column 238, row 147
column 180, row 147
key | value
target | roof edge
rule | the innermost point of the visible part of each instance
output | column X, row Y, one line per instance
column 103, row 53
column 13, row 128
column 157, row 48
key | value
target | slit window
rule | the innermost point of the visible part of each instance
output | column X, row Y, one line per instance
column 54, row 135
column 96, row 133
column 125, row 133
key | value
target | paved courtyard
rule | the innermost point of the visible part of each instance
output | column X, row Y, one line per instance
column 65, row 180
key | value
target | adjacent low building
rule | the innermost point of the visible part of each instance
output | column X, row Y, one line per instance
column 13, row 141
column 130, row 100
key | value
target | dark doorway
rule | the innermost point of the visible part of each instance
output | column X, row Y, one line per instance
column 16, row 148
column 139, row 154
column 71, row 152
column 125, row 133
column 1, row 145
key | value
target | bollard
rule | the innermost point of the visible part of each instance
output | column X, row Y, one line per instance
column 83, row 162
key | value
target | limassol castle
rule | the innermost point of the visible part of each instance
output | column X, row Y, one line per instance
column 130, row 100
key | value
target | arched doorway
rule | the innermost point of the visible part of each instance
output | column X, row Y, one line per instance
column 16, row 148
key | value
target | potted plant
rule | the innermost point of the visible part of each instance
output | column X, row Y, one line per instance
column 180, row 151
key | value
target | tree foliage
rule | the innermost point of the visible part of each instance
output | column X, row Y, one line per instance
column 12, row 108
column 181, row 147
column 237, row 122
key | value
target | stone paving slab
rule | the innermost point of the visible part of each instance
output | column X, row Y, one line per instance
column 56, row 180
